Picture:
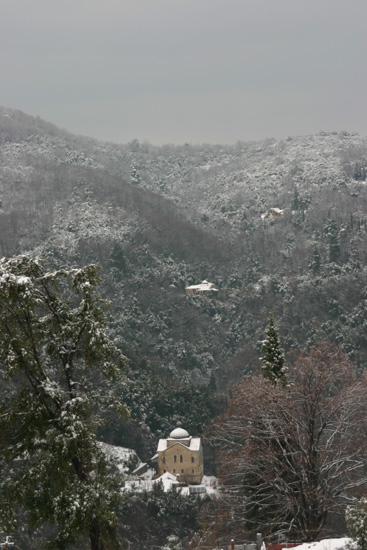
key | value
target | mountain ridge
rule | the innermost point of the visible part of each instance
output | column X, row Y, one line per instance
column 160, row 218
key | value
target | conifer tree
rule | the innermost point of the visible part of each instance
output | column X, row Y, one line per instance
column 356, row 519
column 55, row 364
column 135, row 176
column 296, row 201
column 315, row 262
column 332, row 232
column 272, row 358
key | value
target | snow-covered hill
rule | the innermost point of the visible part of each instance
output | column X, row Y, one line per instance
column 161, row 218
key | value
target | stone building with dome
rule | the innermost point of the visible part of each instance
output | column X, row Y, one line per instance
column 182, row 456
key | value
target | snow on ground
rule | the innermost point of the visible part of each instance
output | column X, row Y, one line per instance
column 124, row 459
column 127, row 459
column 137, row 485
column 209, row 484
column 141, row 484
column 327, row 544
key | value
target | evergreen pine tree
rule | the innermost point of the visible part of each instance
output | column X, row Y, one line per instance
column 135, row 175
column 295, row 202
column 212, row 386
column 55, row 364
column 118, row 260
column 334, row 248
column 254, row 270
column 356, row 519
column 315, row 262
column 272, row 358
column 332, row 232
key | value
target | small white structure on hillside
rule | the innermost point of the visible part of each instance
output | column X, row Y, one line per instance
column 202, row 288
column 272, row 213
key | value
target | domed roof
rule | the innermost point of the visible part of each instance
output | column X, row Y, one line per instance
column 179, row 433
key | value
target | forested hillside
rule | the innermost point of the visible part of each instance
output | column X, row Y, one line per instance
column 160, row 218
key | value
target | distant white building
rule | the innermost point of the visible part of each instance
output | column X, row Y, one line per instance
column 272, row 213
column 202, row 288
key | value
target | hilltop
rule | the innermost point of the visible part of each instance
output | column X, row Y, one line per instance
column 161, row 218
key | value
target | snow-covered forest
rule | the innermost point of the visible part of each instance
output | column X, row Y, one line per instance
column 158, row 219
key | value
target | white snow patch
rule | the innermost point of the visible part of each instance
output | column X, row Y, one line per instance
column 121, row 457
column 139, row 484
column 326, row 544
column 211, row 485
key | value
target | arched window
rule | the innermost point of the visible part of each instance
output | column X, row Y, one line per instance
column 164, row 459
column 175, row 458
column 192, row 459
column 181, row 459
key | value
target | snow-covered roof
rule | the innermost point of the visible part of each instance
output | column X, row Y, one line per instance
column 179, row 433
column 203, row 287
column 167, row 480
column 272, row 211
column 194, row 443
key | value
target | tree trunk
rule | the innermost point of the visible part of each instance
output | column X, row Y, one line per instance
column 96, row 542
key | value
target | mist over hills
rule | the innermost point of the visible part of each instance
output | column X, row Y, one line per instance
column 160, row 218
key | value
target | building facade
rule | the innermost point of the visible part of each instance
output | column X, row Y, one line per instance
column 182, row 456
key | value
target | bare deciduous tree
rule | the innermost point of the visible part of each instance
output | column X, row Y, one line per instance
column 290, row 456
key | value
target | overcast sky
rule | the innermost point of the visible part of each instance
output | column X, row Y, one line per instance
column 176, row 71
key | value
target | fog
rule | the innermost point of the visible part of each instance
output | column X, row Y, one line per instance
column 175, row 71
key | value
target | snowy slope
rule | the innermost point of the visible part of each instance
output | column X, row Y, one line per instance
column 124, row 459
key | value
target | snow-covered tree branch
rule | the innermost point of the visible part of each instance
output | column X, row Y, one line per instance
column 56, row 362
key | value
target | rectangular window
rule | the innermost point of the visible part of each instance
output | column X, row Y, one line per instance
column 193, row 470
column 192, row 459
column 164, row 459
column 174, row 471
column 182, row 471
